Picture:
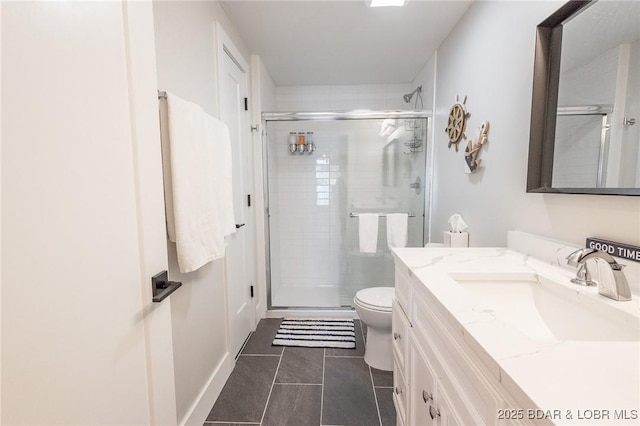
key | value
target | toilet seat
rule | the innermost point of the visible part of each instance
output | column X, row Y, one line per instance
column 375, row 298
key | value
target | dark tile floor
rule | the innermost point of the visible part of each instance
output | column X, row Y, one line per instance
column 272, row 385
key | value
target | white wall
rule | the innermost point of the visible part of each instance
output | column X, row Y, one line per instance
column 186, row 61
column 489, row 57
column 185, row 49
column 342, row 98
column 80, row 190
column 268, row 91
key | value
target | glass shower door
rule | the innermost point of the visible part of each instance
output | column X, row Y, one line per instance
column 358, row 166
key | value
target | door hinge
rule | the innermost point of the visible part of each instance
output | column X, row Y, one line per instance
column 248, row 200
column 246, row 104
column 251, row 287
column 254, row 128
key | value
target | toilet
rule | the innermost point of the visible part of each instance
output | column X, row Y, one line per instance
column 373, row 306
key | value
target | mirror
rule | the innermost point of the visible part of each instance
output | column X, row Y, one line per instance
column 585, row 118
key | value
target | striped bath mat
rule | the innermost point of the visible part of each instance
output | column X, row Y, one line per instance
column 316, row 333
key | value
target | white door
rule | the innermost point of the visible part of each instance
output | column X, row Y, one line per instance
column 233, row 90
column 82, row 218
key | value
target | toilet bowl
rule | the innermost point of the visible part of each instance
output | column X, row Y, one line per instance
column 373, row 306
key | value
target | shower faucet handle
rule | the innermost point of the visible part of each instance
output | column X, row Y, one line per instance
column 417, row 185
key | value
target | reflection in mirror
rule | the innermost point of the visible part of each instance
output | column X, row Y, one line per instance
column 580, row 155
column 585, row 134
column 598, row 89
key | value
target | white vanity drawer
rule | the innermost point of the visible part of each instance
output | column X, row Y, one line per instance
column 403, row 287
column 400, row 393
column 422, row 388
column 400, row 332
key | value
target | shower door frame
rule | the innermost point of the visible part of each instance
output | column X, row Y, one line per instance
column 333, row 116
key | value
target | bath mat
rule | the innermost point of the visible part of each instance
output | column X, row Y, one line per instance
column 316, row 333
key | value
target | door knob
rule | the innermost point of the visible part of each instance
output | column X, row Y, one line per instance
column 238, row 226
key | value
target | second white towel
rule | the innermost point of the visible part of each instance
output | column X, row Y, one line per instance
column 397, row 230
column 368, row 232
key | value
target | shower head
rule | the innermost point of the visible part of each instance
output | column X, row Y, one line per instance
column 408, row 96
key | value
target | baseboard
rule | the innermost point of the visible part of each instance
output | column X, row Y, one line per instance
column 259, row 312
column 201, row 407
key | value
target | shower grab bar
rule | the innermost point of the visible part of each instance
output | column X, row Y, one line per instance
column 410, row 214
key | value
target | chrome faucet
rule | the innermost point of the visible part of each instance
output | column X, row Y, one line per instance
column 618, row 290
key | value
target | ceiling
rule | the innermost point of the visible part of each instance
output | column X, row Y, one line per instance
column 343, row 42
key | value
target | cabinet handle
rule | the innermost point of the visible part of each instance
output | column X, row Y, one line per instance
column 396, row 336
column 426, row 396
column 398, row 391
column 433, row 412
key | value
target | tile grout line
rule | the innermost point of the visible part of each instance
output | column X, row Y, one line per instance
column 373, row 385
column 344, row 356
column 324, row 357
column 272, row 355
column 299, row 384
column 272, row 385
column 375, row 395
column 244, row 345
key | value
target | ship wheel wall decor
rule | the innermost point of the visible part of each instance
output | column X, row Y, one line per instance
column 457, row 122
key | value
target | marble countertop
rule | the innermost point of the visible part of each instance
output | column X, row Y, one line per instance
column 575, row 382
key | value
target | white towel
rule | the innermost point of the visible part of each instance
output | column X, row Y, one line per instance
column 368, row 232
column 198, row 183
column 397, row 230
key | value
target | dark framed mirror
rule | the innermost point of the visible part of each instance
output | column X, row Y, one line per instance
column 584, row 138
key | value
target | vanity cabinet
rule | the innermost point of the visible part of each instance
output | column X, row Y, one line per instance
column 438, row 379
column 400, row 330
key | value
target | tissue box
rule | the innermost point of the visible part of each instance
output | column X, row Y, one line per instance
column 456, row 239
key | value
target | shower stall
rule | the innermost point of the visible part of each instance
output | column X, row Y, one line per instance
column 321, row 172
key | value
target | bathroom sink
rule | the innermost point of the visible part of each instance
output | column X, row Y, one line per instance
column 545, row 310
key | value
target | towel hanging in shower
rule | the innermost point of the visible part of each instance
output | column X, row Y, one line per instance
column 368, row 232
column 397, row 229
